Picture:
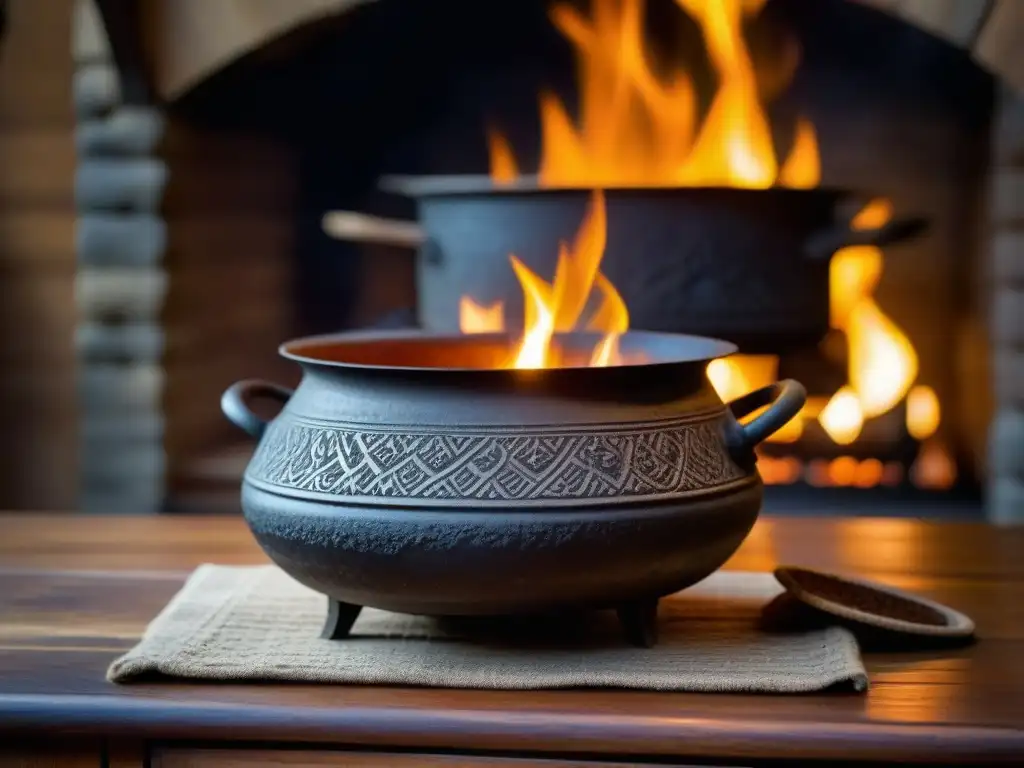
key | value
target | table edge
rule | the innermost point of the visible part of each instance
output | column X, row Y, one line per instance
column 543, row 732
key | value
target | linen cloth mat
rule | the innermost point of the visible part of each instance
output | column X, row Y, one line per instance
column 256, row 623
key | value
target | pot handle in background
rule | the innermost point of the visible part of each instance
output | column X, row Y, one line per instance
column 824, row 243
column 235, row 403
column 363, row 228
column 785, row 400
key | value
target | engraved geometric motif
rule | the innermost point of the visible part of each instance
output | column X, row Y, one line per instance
column 340, row 462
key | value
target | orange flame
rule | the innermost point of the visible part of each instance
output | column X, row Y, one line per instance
column 478, row 318
column 637, row 128
column 934, row 468
column 923, row 412
column 562, row 306
column 802, row 169
column 503, row 162
column 843, row 417
column 882, row 364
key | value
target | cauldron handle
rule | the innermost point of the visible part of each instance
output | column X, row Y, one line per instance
column 363, row 228
column 784, row 399
column 823, row 243
column 235, row 403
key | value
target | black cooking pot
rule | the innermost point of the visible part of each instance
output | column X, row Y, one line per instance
column 412, row 472
column 747, row 265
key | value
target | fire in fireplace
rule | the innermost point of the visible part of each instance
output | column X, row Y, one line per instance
column 779, row 101
column 640, row 124
column 637, row 127
column 880, row 426
column 561, row 306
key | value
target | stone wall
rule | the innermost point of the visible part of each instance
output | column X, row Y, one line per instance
column 120, row 284
column 184, row 260
column 1006, row 435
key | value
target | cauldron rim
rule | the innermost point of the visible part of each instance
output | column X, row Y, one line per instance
column 456, row 185
column 661, row 350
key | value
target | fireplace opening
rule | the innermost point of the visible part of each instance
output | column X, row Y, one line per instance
column 898, row 409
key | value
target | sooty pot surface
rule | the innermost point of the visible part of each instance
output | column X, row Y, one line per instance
column 412, row 473
column 751, row 265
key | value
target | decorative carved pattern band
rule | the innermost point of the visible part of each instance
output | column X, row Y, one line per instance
column 495, row 466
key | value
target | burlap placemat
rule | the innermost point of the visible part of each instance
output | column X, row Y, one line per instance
column 256, row 623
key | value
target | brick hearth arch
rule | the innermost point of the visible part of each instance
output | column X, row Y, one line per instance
column 194, row 39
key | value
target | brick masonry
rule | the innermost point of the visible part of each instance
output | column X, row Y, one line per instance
column 1005, row 481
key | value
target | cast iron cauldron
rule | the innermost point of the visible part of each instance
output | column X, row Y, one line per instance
column 747, row 265
column 406, row 473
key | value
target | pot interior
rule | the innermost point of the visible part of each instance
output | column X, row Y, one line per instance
column 410, row 350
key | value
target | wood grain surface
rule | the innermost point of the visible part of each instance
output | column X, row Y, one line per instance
column 67, row 754
column 227, row 758
column 75, row 592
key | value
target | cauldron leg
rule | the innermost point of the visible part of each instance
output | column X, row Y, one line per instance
column 639, row 621
column 340, row 618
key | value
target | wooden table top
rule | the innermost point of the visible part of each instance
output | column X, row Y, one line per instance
column 76, row 591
